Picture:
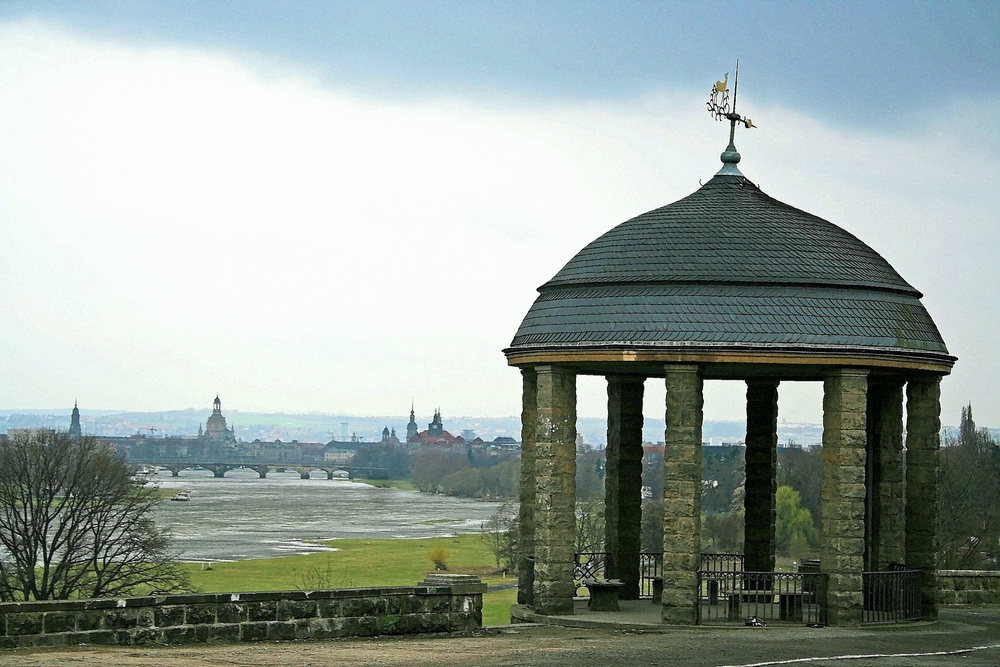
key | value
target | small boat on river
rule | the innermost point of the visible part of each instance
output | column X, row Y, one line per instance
column 182, row 496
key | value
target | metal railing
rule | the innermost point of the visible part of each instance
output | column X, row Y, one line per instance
column 727, row 596
column 891, row 596
column 722, row 562
column 590, row 565
column 650, row 569
column 597, row 565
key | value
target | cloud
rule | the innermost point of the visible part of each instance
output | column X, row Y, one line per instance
column 181, row 222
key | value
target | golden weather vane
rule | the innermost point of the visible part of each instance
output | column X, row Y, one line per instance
column 718, row 101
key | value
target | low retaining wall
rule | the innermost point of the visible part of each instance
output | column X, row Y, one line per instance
column 968, row 587
column 441, row 603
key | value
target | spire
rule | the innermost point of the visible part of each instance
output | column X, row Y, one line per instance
column 411, row 428
column 718, row 106
column 75, row 431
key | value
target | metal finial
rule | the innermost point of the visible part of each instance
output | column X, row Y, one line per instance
column 718, row 106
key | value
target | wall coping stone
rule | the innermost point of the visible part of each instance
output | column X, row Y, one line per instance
column 460, row 587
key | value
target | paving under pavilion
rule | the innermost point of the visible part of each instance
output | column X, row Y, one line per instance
column 729, row 283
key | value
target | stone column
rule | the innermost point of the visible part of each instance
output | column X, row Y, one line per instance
column 682, row 493
column 845, row 404
column 923, row 439
column 555, row 490
column 761, row 475
column 885, row 487
column 623, row 483
column 526, row 512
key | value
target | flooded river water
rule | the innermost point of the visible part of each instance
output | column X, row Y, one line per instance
column 242, row 516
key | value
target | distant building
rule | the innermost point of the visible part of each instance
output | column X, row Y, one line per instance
column 75, row 431
column 434, row 434
column 504, row 443
column 412, row 429
column 216, row 428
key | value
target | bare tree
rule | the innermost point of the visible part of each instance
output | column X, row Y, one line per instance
column 501, row 532
column 74, row 524
column 969, row 494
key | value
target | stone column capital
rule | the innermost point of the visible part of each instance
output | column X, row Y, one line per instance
column 847, row 372
column 690, row 369
column 614, row 378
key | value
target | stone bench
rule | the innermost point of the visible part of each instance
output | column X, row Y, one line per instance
column 603, row 594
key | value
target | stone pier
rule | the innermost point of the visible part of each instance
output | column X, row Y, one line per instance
column 555, row 489
column 923, row 440
column 886, row 527
column 623, row 482
column 761, row 475
column 682, row 493
column 844, row 442
column 526, row 511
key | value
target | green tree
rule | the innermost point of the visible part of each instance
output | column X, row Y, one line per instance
column 393, row 459
column 722, row 532
column 465, row 483
column 503, row 479
column 794, row 531
column 432, row 464
column 590, row 472
column 723, row 472
column 651, row 525
column 74, row 524
column 802, row 469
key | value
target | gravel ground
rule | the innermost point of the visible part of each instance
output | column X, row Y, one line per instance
column 970, row 638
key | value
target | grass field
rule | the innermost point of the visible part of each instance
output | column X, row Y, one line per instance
column 359, row 564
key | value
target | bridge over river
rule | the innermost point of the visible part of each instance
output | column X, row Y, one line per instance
column 220, row 467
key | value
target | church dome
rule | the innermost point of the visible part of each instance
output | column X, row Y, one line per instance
column 729, row 268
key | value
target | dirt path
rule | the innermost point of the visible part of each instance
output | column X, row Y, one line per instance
column 952, row 641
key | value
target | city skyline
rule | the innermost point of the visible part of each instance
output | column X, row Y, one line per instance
column 333, row 209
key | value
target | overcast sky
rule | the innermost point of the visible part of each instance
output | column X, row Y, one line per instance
column 340, row 206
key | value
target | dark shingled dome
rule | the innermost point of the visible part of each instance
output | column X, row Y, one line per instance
column 731, row 268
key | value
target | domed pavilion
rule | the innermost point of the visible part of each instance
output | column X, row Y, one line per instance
column 729, row 283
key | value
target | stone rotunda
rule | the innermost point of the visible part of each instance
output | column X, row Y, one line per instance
column 729, row 283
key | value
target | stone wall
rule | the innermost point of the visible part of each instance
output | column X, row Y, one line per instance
column 441, row 603
column 968, row 587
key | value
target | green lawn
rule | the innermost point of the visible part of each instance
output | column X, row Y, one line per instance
column 360, row 564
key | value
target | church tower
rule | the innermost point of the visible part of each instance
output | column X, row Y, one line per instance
column 436, row 427
column 75, row 431
column 216, row 427
column 411, row 428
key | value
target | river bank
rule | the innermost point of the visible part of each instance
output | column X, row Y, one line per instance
column 242, row 517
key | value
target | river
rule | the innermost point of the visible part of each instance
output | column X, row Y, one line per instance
column 242, row 516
